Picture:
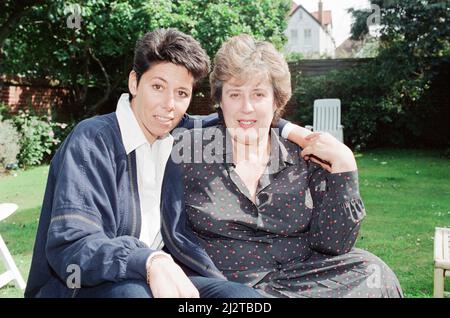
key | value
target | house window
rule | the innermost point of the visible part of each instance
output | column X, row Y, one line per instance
column 300, row 15
column 294, row 36
column 308, row 38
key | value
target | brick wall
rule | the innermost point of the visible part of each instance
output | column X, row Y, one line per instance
column 40, row 96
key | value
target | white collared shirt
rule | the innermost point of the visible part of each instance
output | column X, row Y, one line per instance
column 150, row 164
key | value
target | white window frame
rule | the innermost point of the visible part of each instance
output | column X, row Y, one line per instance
column 307, row 36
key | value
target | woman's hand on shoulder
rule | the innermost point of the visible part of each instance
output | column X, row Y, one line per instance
column 325, row 150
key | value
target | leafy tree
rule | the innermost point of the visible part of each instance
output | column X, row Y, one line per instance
column 391, row 100
column 12, row 13
column 414, row 57
column 415, row 42
column 93, row 61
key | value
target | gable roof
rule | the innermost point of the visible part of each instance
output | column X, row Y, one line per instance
column 298, row 7
column 348, row 48
column 293, row 7
column 326, row 17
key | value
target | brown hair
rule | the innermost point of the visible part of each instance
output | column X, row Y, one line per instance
column 241, row 57
column 170, row 45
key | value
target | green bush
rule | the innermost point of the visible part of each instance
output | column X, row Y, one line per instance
column 9, row 143
column 361, row 95
column 40, row 137
column 37, row 138
column 294, row 56
column 374, row 111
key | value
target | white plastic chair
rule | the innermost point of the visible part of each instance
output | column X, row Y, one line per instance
column 12, row 272
column 327, row 117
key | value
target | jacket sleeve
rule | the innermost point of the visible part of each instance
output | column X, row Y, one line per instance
column 337, row 210
column 198, row 121
column 83, row 229
column 178, row 235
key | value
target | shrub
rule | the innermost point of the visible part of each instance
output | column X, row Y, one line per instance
column 361, row 96
column 374, row 110
column 38, row 138
column 294, row 56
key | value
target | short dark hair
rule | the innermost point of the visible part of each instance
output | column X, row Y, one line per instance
column 170, row 45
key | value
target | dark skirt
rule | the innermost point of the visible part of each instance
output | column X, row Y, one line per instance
column 356, row 274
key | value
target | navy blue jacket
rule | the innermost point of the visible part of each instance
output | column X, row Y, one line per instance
column 91, row 218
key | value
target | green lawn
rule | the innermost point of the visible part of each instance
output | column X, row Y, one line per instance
column 19, row 230
column 406, row 193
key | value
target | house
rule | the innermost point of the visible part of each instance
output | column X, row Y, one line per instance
column 310, row 33
column 348, row 49
column 364, row 48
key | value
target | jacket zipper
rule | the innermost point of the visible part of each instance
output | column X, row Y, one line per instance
column 133, row 191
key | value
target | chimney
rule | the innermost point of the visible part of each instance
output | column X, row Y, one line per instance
column 321, row 12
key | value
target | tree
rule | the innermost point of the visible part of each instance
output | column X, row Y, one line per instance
column 398, row 98
column 93, row 61
column 403, row 86
column 415, row 42
column 13, row 11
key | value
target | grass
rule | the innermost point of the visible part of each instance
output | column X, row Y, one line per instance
column 25, row 188
column 406, row 193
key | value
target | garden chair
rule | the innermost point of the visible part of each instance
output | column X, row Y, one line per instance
column 327, row 117
column 12, row 272
column 441, row 260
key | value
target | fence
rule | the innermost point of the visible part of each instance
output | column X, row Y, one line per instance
column 202, row 105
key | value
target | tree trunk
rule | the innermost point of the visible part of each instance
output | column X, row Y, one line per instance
column 93, row 109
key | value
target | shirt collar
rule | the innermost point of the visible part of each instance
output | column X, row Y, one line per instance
column 279, row 155
column 131, row 132
column 280, row 158
column 132, row 135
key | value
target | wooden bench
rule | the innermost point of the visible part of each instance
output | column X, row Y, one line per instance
column 441, row 260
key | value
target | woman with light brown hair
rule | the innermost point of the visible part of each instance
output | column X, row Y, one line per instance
column 263, row 211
